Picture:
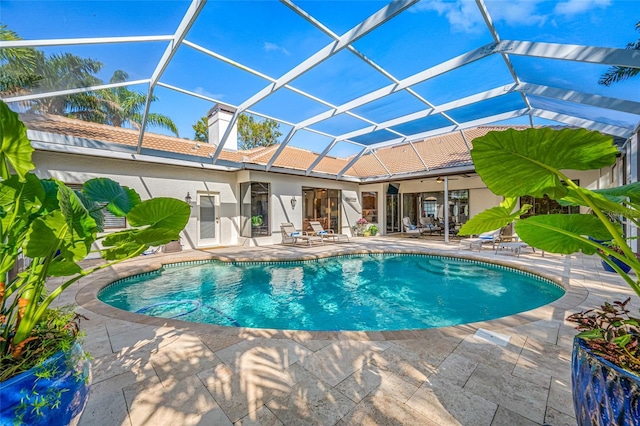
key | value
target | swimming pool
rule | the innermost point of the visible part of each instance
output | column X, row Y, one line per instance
column 355, row 292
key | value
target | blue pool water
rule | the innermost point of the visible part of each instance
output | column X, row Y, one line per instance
column 363, row 292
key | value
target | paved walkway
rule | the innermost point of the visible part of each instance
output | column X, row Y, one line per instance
column 152, row 371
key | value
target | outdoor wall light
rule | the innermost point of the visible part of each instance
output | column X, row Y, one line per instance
column 439, row 179
column 293, row 202
column 187, row 199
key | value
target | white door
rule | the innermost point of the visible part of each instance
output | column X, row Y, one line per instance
column 208, row 219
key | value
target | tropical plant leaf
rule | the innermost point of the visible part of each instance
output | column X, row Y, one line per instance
column 61, row 267
column 494, row 218
column 15, row 147
column 120, row 200
column 160, row 212
column 515, row 163
column 603, row 202
column 50, row 202
column 71, row 230
column 76, row 215
column 95, row 210
column 562, row 233
column 26, row 194
column 131, row 242
column 630, row 192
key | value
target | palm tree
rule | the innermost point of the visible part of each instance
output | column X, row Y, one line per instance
column 122, row 107
column 60, row 72
column 18, row 65
column 615, row 74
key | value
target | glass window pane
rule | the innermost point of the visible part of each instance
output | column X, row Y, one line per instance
column 207, row 217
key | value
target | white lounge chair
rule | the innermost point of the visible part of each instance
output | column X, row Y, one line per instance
column 319, row 230
column 490, row 237
column 291, row 235
column 411, row 229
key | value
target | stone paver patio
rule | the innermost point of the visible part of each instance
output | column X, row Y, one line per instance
column 153, row 371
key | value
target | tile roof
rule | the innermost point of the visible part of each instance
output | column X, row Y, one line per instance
column 438, row 152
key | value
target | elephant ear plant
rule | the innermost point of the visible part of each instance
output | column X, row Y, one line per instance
column 532, row 162
column 56, row 227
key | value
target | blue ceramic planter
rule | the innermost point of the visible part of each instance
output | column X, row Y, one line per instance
column 621, row 265
column 63, row 395
column 603, row 394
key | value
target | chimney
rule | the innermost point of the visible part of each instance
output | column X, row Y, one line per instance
column 219, row 119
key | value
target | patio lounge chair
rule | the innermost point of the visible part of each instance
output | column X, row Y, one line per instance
column 507, row 235
column 291, row 235
column 325, row 234
column 490, row 237
column 427, row 223
column 411, row 229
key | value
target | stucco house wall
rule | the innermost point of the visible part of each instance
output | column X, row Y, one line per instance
column 163, row 180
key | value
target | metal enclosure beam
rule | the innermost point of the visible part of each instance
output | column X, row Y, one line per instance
column 353, row 161
column 573, row 52
column 320, row 157
column 185, row 25
column 80, row 41
column 359, row 31
column 43, row 95
column 606, row 128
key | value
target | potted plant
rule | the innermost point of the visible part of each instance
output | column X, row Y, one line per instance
column 361, row 225
column 532, row 162
column 44, row 373
column 256, row 220
column 607, row 351
column 373, row 229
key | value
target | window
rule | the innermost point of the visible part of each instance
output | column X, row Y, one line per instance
column 111, row 221
column 546, row 205
column 254, row 209
column 370, row 206
column 322, row 205
column 459, row 206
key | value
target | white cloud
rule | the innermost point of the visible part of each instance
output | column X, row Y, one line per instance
column 202, row 91
column 271, row 47
column 575, row 7
column 517, row 12
column 462, row 15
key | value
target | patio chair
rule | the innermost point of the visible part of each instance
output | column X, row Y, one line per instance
column 291, row 235
column 491, row 237
column 319, row 230
column 412, row 230
column 507, row 235
column 427, row 223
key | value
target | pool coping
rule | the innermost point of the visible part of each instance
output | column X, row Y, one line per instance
column 87, row 296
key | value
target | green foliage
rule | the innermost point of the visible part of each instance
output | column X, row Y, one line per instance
column 26, row 69
column 57, row 227
column 252, row 133
column 201, row 129
column 15, row 148
column 532, row 163
column 18, row 66
column 612, row 333
column 517, row 163
column 616, row 73
column 494, row 218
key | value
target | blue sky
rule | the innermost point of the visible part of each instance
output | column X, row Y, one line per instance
column 270, row 38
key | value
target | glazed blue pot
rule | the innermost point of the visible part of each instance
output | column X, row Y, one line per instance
column 63, row 395
column 626, row 268
column 603, row 394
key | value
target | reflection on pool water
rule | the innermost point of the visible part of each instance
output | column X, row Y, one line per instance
column 356, row 292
